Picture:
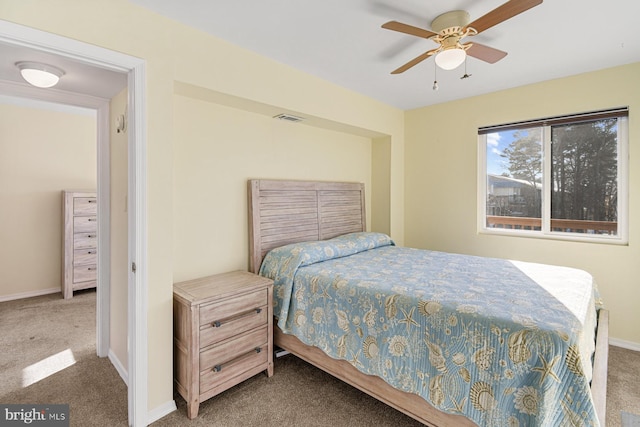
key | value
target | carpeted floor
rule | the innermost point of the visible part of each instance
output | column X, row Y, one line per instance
column 36, row 329
column 43, row 334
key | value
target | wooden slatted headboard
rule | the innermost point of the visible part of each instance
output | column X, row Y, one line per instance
column 283, row 212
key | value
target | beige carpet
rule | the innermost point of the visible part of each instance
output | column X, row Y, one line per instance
column 43, row 334
column 297, row 395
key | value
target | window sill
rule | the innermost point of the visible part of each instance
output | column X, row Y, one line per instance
column 607, row 240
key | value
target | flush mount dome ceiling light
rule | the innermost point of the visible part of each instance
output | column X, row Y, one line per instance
column 40, row 75
column 451, row 58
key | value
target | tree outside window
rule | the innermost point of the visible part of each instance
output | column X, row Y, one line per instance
column 559, row 178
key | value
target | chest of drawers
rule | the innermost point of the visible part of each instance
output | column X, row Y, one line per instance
column 80, row 243
column 222, row 334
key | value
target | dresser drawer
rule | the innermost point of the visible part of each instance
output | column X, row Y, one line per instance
column 84, row 224
column 85, row 206
column 217, row 375
column 231, row 307
column 84, row 240
column 85, row 256
column 84, row 273
column 225, row 352
column 220, row 330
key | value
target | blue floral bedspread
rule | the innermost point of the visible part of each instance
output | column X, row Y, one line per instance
column 472, row 335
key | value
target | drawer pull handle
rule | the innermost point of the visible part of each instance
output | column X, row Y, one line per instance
column 91, row 219
column 218, row 368
column 91, row 235
column 91, row 268
column 90, row 252
column 91, row 201
column 219, row 323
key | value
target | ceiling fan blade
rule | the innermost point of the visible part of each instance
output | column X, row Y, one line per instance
column 414, row 61
column 408, row 29
column 502, row 13
column 486, row 53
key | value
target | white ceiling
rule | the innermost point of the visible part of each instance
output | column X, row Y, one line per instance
column 79, row 78
column 341, row 41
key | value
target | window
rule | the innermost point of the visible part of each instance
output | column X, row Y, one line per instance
column 562, row 177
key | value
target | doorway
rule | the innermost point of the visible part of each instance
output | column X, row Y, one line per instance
column 17, row 35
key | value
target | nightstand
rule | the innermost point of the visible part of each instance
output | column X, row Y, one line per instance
column 222, row 327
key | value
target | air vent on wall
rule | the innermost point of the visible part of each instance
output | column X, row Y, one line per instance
column 288, row 117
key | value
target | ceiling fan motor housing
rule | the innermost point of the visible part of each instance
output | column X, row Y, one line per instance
column 455, row 18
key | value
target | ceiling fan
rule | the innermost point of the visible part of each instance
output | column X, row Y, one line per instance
column 449, row 29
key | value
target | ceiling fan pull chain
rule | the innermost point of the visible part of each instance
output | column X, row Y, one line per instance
column 435, row 77
column 465, row 76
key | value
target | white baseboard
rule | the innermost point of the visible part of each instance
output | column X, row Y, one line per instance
column 160, row 411
column 29, row 294
column 119, row 367
column 624, row 344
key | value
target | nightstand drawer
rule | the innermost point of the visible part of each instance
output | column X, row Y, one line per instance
column 231, row 307
column 224, row 352
column 84, row 224
column 216, row 376
column 222, row 329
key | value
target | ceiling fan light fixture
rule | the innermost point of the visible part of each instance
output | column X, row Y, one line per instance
column 39, row 75
column 450, row 59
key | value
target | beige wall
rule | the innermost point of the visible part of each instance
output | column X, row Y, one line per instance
column 175, row 53
column 381, row 182
column 441, row 182
column 42, row 152
column 216, row 150
column 118, row 145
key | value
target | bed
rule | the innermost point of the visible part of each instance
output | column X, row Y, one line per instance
column 461, row 382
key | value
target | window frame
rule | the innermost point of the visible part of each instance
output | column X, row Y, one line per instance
column 622, row 236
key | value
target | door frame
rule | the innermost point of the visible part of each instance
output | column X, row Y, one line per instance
column 137, row 375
